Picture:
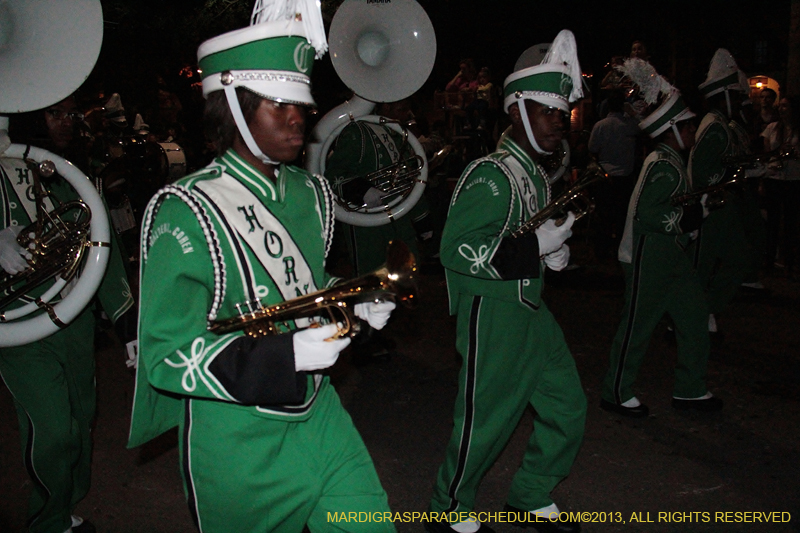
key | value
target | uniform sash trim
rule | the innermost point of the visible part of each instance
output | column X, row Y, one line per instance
column 210, row 234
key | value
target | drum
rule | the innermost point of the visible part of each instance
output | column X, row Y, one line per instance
column 166, row 160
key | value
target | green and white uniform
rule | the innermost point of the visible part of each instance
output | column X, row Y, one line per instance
column 722, row 254
column 514, row 353
column 53, row 380
column 659, row 279
column 361, row 148
column 263, row 447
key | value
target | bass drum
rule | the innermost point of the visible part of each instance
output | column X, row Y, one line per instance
column 166, row 160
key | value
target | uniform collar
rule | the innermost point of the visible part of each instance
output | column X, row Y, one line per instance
column 243, row 171
column 508, row 144
column 670, row 152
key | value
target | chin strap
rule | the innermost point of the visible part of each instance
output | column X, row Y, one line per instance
column 528, row 131
column 241, row 125
column 728, row 103
column 678, row 137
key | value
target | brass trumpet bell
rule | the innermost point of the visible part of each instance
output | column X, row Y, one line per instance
column 575, row 199
column 394, row 280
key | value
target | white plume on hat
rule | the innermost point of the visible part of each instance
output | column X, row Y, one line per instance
column 652, row 85
column 655, row 89
column 564, row 51
column 288, row 10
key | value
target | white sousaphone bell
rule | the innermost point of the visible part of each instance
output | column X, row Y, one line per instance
column 47, row 50
column 384, row 52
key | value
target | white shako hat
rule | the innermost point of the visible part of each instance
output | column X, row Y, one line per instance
column 272, row 57
column 654, row 88
column 723, row 75
column 555, row 82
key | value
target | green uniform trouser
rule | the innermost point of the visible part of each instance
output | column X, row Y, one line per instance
column 723, row 256
column 659, row 280
column 52, row 382
column 248, row 474
column 513, row 356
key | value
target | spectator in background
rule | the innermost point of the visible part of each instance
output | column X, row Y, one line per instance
column 768, row 112
column 782, row 186
column 613, row 144
column 466, row 79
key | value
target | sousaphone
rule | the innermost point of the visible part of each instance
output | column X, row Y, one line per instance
column 384, row 52
column 47, row 50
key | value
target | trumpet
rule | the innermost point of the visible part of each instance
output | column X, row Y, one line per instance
column 749, row 161
column 394, row 280
column 574, row 199
column 716, row 198
column 741, row 164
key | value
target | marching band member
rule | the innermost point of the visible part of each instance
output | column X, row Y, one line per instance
column 53, row 380
column 722, row 253
column 265, row 442
column 513, row 351
column 659, row 275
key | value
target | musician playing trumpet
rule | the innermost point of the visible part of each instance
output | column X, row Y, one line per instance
column 514, row 353
column 266, row 444
column 659, row 275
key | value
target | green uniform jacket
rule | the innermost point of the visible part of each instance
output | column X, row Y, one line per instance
column 651, row 211
column 493, row 197
column 715, row 139
column 222, row 237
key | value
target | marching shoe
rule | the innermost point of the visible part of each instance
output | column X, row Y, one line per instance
column 639, row 411
column 705, row 404
column 540, row 524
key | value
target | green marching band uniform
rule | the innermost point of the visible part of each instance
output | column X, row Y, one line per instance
column 361, row 148
column 513, row 351
column 53, row 380
column 723, row 253
column 659, row 276
column 659, row 279
column 263, row 447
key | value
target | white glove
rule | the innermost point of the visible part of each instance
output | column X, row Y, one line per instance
column 373, row 197
column 376, row 314
column 703, row 200
column 559, row 259
column 551, row 236
column 312, row 351
column 12, row 255
column 759, row 170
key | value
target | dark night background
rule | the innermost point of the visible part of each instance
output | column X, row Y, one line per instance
column 148, row 37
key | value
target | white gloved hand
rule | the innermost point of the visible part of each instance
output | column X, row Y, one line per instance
column 376, row 314
column 559, row 259
column 12, row 255
column 373, row 197
column 551, row 236
column 703, row 200
column 758, row 170
column 313, row 352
